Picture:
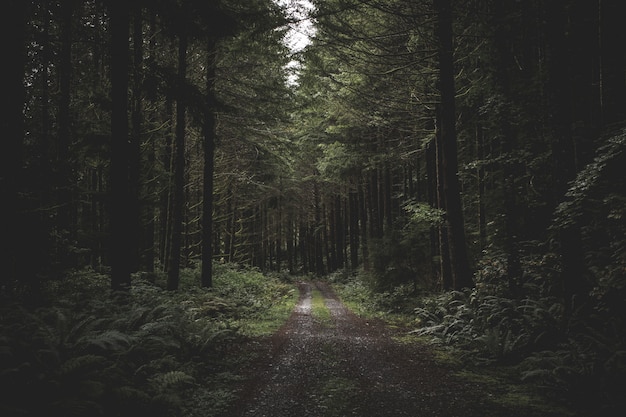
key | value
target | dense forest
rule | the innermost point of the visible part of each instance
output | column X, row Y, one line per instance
column 466, row 155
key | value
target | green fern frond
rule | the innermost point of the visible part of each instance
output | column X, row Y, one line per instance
column 220, row 337
column 108, row 341
column 80, row 329
column 157, row 365
column 81, row 364
column 172, row 379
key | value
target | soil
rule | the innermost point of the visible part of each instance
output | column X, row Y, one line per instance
column 350, row 366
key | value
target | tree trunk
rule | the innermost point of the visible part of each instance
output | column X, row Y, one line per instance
column 303, row 244
column 173, row 275
column 290, row 242
column 209, row 168
column 136, row 244
column 121, row 220
column 461, row 274
column 354, row 228
column 445, row 265
column 151, row 203
column 564, row 159
column 229, row 237
column 317, row 233
column 340, row 232
column 613, row 65
column 388, row 192
column 165, row 200
column 13, row 31
column 433, row 200
column 64, row 190
column 363, row 221
column 510, row 168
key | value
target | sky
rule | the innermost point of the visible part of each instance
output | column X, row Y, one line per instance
column 299, row 33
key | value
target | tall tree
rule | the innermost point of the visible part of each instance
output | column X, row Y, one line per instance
column 121, row 217
column 134, row 161
column 178, row 201
column 64, row 194
column 209, row 167
column 13, row 31
column 461, row 274
column 504, row 61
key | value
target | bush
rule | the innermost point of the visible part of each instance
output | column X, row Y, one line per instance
column 88, row 352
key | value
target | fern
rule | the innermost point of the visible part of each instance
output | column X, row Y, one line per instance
column 172, row 379
column 110, row 341
column 81, row 364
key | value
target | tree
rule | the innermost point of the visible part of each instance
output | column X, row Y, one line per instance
column 461, row 274
column 121, row 217
column 13, row 26
column 178, row 201
column 209, row 167
column 64, row 197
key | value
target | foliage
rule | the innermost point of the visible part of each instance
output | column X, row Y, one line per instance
column 403, row 255
column 591, row 183
column 359, row 292
column 576, row 360
column 144, row 353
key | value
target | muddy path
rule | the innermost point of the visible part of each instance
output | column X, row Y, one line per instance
column 347, row 366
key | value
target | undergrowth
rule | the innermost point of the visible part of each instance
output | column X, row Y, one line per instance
column 87, row 352
column 576, row 362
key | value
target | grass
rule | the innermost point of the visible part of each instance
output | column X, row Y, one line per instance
column 319, row 311
column 271, row 319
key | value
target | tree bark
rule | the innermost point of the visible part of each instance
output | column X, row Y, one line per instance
column 480, row 176
column 290, row 242
column 206, row 276
column 354, row 229
column 13, row 31
column 121, row 220
column 64, row 192
column 136, row 244
column 340, row 232
column 363, row 220
column 613, row 65
column 173, row 275
column 458, row 252
column 433, row 200
column 445, row 264
column 504, row 62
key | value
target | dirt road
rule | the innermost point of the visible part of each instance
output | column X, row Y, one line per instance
column 348, row 366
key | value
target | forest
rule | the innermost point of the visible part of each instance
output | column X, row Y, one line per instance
column 170, row 168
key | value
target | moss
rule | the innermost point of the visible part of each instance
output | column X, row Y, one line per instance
column 319, row 311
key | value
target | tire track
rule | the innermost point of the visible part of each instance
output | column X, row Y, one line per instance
column 353, row 367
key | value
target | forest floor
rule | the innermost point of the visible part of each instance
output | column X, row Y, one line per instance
column 326, row 361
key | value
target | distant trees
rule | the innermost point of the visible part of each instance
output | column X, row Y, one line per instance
column 385, row 87
column 119, row 187
column 422, row 139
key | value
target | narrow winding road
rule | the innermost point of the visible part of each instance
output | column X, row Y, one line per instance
column 348, row 366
